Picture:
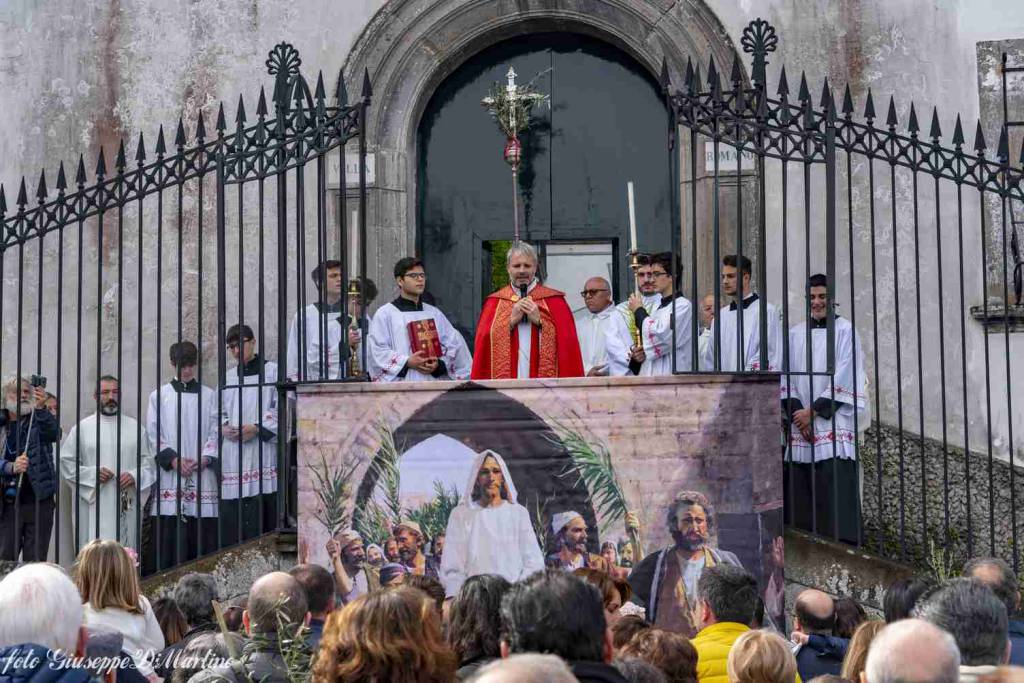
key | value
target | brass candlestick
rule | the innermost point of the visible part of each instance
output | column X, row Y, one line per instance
column 634, row 263
column 354, row 369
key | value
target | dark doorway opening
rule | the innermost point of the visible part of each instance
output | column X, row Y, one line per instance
column 606, row 125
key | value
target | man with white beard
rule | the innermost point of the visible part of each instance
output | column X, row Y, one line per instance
column 182, row 417
column 101, row 458
column 29, row 477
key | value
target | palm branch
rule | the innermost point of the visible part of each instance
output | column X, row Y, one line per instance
column 373, row 524
column 385, row 467
column 540, row 524
column 513, row 114
column 592, row 465
column 333, row 488
column 433, row 516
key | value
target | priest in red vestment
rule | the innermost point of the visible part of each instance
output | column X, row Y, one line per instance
column 525, row 328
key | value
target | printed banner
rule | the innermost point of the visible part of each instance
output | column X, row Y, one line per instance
column 649, row 479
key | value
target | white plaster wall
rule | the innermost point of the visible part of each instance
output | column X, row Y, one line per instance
column 79, row 75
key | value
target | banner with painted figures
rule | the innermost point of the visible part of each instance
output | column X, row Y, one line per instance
column 650, row 480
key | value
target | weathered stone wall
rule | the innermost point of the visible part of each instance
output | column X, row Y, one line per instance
column 967, row 502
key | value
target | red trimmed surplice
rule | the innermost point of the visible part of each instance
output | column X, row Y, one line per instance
column 555, row 349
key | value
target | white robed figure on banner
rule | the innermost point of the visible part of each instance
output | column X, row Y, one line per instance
column 488, row 531
column 400, row 350
column 91, row 468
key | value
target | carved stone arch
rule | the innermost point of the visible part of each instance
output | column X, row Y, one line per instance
column 410, row 46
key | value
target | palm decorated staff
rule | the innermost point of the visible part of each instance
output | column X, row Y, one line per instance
column 510, row 105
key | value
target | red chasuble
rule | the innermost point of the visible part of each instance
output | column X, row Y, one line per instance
column 555, row 350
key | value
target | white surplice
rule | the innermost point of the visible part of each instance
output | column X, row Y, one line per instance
column 750, row 356
column 618, row 339
column 703, row 339
column 117, row 509
column 388, row 345
column 196, row 430
column 591, row 329
column 656, row 335
column 322, row 335
column 493, row 540
column 525, row 332
column 846, row 392
column 256, row 460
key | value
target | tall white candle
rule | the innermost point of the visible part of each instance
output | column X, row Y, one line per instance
column 632, row 217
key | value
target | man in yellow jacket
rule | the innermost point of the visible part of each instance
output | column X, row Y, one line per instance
column 727, row 595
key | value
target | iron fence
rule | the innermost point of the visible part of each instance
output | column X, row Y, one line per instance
column 224, row 229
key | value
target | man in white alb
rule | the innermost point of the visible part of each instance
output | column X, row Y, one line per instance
column 248, row 443
column 619, row 342
column 592, row 325
column 181, row 419
column 658, row 343
column 744, row 356
column 440, row 351
column 820, row 410
column 101, row 459
column 319, row 331
column 488, row 531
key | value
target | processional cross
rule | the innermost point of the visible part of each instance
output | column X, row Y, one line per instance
column 510, row 106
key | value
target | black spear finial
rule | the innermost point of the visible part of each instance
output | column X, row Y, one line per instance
column 41, row 187
column 62, row 180
column 958, row 133
column 935, row 131
column 161, row 146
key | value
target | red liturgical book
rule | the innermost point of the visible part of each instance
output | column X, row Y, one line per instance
column 423, row 337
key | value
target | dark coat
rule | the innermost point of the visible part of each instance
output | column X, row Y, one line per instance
column 1017, row 641
column 164, row 664
column 821, row 655
column 596, row 672
column 32, row 663
column 38, row 444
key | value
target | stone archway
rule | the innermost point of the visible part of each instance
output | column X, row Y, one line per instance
column 410, row 46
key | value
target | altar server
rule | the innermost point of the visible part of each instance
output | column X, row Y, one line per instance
column 181, row 419
column 107, row 461
column 619, row 336
column 319, row 336
column 413, row 341
column 657, row 328
column 248, row 444
column 747, row 357
column 821, row 410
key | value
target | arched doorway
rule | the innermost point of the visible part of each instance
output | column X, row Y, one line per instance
column 605, row 125
column 411, row 46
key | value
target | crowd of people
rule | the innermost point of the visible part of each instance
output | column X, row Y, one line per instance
column 553, row 626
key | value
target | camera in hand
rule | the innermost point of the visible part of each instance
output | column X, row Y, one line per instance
column 38, row 381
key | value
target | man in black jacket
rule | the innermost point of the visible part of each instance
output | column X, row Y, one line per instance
column 557, row 613
column 29, row 476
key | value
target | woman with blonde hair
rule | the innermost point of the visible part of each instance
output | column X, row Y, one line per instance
column 856, row 658
column 761, row 657
column 388, row 636
column 109, row 586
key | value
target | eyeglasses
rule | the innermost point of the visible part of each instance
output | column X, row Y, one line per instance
column 235, row 345
column 587, row 293
column 416, row 276
column 660, row 273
